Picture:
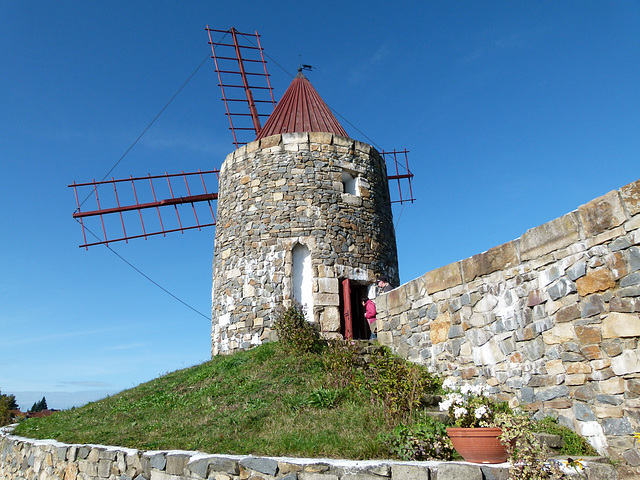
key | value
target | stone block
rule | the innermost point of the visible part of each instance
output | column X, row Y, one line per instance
column 409, row 472
column 617, row 426
column 341, row 141
column 617, row 324
column 592, row 305
column 456, row 471
column 544, row 395
column 633, row 257
column 321, row 137
column 579, row 367
column 561, row 288
column 317, row 476
column 328, row 285
column 439, row 328
column 555, row 367
column 494, row 259
column 158, row 461
column 627, row 362
column 630, row 280
column 561, row 333
column 397, row 298
column 575, row 379
column 596, row 281
column 568, row 313
column 588, row 334
column 262, row 465
column 583, row 412
column 577, row 270
column 295, row 137
column 612, row 386
column 176, row 464
column 631, row 197
column 609, row 399
column 632, row 457
column 488, row 354
column 601, row 214
column 326, row 299
column 591, row 352
column 607, row 411
column 546, row 238
column 442, row 278
column 385, row 338
column 330, row 319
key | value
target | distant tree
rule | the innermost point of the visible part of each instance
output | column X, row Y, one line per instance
column 7, row 403
column 39, row 406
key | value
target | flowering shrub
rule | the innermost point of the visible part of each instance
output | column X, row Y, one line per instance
column 424, row 440
column 469, row 406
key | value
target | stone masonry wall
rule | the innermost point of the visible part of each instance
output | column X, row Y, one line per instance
column 286, row 190
column 26, row 459
column 550, row 320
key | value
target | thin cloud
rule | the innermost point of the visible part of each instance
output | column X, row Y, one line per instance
column 12, row 342
column 363, row 70
column 200, row 144
column 126, row 346
column 513, row 41
column 85, row 383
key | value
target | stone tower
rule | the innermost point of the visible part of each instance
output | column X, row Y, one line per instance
column 304, row 215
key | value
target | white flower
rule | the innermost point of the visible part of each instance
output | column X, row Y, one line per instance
column 481, row 411
column 459, row 411
column 449, row 383
column 444, row 405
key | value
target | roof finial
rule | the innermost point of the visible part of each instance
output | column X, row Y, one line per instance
column 302, row 67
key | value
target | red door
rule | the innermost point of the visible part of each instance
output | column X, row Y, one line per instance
column 346, row 301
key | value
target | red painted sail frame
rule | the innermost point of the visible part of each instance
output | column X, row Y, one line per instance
column 132, row 190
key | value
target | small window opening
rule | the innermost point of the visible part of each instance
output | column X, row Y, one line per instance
column 350, row 183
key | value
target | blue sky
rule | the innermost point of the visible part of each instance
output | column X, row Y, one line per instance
column 515, row 113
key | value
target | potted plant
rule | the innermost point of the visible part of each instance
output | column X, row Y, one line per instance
column 472, row 412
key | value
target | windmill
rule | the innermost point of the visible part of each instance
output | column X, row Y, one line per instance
column 114, row 210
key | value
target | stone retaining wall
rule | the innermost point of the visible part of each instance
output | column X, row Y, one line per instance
column 550, row 320
column 27, row 459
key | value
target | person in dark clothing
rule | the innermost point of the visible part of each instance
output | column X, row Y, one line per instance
column 383, row 285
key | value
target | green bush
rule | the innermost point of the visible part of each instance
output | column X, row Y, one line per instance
column 574, row 444
column 339, row 361
column 296, row 335
column 397, row 385
column 392, row 383
column 424, row 440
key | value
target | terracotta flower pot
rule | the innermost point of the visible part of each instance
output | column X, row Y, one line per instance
column 478, row 445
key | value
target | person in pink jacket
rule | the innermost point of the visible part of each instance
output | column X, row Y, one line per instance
column 370, row 315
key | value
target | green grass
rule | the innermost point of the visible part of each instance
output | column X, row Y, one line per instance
column 267, row 402
column 261, row 402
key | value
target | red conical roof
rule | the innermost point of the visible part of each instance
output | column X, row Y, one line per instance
column 301, row 110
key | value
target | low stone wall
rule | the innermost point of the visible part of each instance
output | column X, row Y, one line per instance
column 22, row 458
column 550, row 320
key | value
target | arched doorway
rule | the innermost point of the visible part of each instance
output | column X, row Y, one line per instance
column 302, row 279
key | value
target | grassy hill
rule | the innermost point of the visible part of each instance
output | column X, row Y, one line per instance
column 262, row 402
column 330, row 402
